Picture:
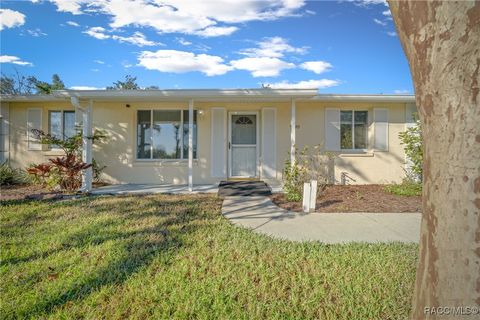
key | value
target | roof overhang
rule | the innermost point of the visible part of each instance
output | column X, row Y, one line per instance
column 402, row 98
column 204, row 95
column 196, row 95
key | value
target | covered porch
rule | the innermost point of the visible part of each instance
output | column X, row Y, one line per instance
column 84, row 104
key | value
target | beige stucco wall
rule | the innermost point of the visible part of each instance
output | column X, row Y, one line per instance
column 357, row 168
column 118, row 154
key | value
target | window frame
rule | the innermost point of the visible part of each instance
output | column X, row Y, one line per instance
column 151, row 159
column 353, row 149
column 62, row 124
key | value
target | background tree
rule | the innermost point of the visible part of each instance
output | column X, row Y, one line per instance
column 130, row 83
column 441, row 40
column 47, row 88
column 17, row 84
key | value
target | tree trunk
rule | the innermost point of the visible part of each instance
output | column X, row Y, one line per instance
column 442, row 43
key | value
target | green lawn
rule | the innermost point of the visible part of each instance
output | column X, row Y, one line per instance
column 176, row 257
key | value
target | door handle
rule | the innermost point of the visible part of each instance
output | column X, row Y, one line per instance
column 229, row 145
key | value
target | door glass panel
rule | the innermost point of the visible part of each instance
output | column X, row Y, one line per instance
column 244, row 129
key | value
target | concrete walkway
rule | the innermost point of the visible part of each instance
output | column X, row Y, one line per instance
column 261, row 215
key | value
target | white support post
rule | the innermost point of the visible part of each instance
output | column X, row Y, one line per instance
column 87, row 176
column 292, row 132
column 313, row 195
column 306, row 197
column 190, row 145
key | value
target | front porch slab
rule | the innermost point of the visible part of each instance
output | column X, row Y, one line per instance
column 133, row 188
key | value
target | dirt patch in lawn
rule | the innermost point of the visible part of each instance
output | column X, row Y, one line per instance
column 35, row 192
column 21, row 192
column 358, row 198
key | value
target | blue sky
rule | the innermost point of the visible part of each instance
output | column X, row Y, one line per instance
column 337, row 46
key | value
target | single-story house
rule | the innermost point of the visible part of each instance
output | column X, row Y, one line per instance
column 205, row 136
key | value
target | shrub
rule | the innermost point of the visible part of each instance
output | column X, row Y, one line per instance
column 408, row 187
column 9, row 175
column 64, row 172
column 310, row 164
column 412, row 140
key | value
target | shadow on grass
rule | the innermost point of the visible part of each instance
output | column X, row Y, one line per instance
column 134, row 249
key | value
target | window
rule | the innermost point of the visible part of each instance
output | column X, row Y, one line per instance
column 163, row 134
column 61, row 124
column 353, row 129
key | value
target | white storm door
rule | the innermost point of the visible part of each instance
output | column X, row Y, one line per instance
column 243, row 152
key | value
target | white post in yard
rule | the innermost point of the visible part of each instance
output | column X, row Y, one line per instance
column 306, row 197
column 292, row 133
column 313, row 195
column 190, row 145
column 87, row 147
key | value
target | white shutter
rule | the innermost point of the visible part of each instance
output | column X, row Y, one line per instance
column 218, row 147
column 410, row 109
column 34, row 121
column 380, row 116
column 332, row 129
column 4, row 131
column 269, row 147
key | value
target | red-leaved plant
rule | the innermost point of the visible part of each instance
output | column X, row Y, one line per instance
column 63, row 172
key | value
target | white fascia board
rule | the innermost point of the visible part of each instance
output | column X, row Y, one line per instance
column 364, row 97
column 31, row 98
column 200, row 94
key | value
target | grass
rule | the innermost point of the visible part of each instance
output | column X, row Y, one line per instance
column 406, row 188
column 176, row 257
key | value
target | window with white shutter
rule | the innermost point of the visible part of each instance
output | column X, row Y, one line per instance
column 332, row 129
column 380, row 116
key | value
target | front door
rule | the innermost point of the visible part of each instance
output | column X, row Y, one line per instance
column 242, row 146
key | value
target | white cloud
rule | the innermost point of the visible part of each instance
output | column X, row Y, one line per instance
column 316, row 66
column 36, row 32
column 183, row 61
column 306, row 84
column 72, row 23
column 184, row 16
column 14, row 60
column 401, row 91
column 262, row 66
column 380, row 22
column 183, row 42
column 365, row 3
column 126, row 64
column 216, row 31
column 97, row 32
column 99, row 61
column 72, row 6
column 10, row 18
column 85, row 88
column 387, row 13
column 274, row 47
column 137, row 39
column 392, row 33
